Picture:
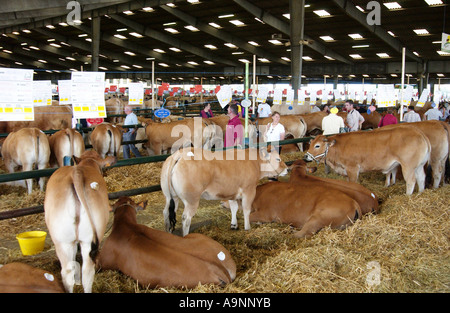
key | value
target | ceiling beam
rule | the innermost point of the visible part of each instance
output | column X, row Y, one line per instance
column 226, row 37
column 351, row 10
column 172, row 41
column 136, row 48
column 284, row 28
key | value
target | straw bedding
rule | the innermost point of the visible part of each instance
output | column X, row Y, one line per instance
column 405, row 248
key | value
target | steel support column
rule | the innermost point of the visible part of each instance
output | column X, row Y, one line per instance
column 297, row 12
column 95, row 43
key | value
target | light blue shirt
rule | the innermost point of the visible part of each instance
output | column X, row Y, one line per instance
column 131, row 119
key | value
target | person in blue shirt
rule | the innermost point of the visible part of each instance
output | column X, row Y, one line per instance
column 130, row 135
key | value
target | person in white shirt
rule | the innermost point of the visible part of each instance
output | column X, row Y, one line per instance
column 264, row 110
column 433, row 113
column 332, row 123
column 130, row 135
column 275, row 131
column 411, row 116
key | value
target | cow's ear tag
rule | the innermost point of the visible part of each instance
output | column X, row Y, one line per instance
column 190, row 154
column 94, row 185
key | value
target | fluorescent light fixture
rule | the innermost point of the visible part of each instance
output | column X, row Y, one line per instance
column 355, row 36
column 244, row 60
column 55, row 45
column 263, row 60
column 120, row 36
column 286, row 59
column 441, row 53
column 416, row 54
column 159, row 50
column 359, row 8
column 193, row 1
column 253, row 43
column 130, row 53
column 42, row 61
column 128, row 12
column 275, row 42
column 63, row 24
column 26, row 31
column 149, row 59
column 287, row 15
column 238, row 23
column 18, row 63
column 70, row 58
column 34, row 48
column 103, row 68
column 208, row 62
column 360, row 46
column 170, row 23
column 121, row 29
column 115, row 61
column 88, row 39
column 321, row 13
column 259, row 20
column 125, row 66
column 440, row 75
column 421, row 31
column 24, row 44
column 171, row 5
column 394, row 75
column 230, row 45
column 137, row 35
column 171, row 30
column 51, row 39
column 192, row 62
column 392, row 5
column 237, row 52
column 391, row 33
column 137, row 66
column 7, row 51
column 147, row 9
column 383, row 55
column 329, row 58
column 327, row 38
column 191, row 28
column 355, row 56
column 365, row 75
column 212, row 47
column 307, row 58
column 433, row 2
column 15, row 33
column 226, row 15
column 175, row 49
column 215, row 25
column 50, row 26
column 83, row 35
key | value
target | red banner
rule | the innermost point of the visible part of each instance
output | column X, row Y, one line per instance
column 113, row 88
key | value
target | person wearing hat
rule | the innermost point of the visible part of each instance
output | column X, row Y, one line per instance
column 433, row 113
column 332, row 123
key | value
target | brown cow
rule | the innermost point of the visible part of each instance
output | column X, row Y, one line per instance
column 439, row 137
column 76, row 212
column 309, row 207
column 191, row 174
column 156, row 258
column 114, row 106
column 366, row 199
column 106, row 139
column 356, row 152
column 66, row 142
column 23, row 278
column 313, row 120
column 45, row 118
column 169, row 137
column 27, row 147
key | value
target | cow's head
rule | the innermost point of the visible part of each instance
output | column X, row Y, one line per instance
column 93, row 155
column 128, row 202
column 318, row 149
column 272, row 165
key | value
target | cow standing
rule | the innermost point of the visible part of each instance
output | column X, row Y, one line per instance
column 232, row 174
column 66, row 142
column 357, row 152
column 106, row 139
column 156, row 258
column 26, row 147
column 77, row 211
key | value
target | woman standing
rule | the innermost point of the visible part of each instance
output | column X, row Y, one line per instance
column 275, row 131
column 206, row 112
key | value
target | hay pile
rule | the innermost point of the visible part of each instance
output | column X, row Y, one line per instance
column 405, row 248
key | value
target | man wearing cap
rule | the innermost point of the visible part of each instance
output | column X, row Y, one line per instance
column 332, row 123
column 433, row 113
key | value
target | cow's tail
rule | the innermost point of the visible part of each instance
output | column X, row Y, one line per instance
column 78, row 183
column 69, row 134
column 112, row 142
column 303, row 133
column 167, row 187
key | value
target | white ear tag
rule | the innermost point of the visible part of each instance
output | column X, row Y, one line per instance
column 49, row 277
column 190, row 154
column 221, row 256
column 94, row 185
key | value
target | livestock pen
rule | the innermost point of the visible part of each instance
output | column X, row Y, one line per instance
column 405, row 248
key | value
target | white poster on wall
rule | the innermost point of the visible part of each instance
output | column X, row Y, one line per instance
column 42, row 92
column 290, row 97
column 301, row 97
column 224, row 95
column 88, row 94
column 135, row 93
column 277, row 96
column 262, row 94
column 16, row 95
column 65, row 91
column 423, row 98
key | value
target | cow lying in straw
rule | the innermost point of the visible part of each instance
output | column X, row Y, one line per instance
column 77, row 211
column 156, row 258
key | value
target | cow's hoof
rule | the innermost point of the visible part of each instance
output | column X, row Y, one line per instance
column 234, row 227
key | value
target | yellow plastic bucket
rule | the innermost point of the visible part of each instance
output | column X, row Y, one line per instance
column 31, row 242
